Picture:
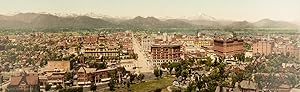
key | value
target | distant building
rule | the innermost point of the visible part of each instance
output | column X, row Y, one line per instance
column 147, row 41
column 286, row 49
column 54, row 73
column 128, row 64
column 24, row 83
column 262, row 47
column 61, row 65
column 229, row 47
column 161, row 53
column 86, row 75
column 203, row 42
column 110, row 54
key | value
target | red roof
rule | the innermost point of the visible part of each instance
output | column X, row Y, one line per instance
column 30, row 79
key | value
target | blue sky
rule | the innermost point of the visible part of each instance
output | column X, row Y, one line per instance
column 252, row 10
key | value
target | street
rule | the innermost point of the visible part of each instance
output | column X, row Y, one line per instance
column 143, row 66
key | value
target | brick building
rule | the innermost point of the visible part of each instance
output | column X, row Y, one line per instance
column 229, row 47
column 161, row 53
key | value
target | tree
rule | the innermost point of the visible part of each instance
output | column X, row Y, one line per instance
column 102, row 66
column 184, row 73
column 260, row 80
column 58, row 87
column 93, row 87
column 47, row 87
column 170, row 67
column 164, row 65
column 191, row 87
column 135, row 56
column 158, row 73
column 200, row 83
column 112, row 84
column 292, row 80
column 140, row 77
column 132, row 77
column 247, row 46
column 128, row 86
column 248, row 59
column 69, row 76
column 238, row 76
column 122, row 70
column 178, row 73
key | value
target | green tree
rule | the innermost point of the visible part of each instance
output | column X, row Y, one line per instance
column 164, row 65
column 184, row 73
column 112, row 84
column 93, row 87
column 191, row 87
column 47, row 87
column 102, row 66
column 69, row 76
column 260, row 80
column 140, row 77
column 247, row 46
column 58, row 87
column 238, row 76
column 292, row 80
column 170, row 67
column 158, row 73
column 132, row 77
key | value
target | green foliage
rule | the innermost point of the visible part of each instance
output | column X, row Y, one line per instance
column 158, row 73
column 292, row 80
column 47, row 87
column 101, row 66
column 140, row 77
column 132, row 77
column 164, row 65
column 247, row 46
column 58, row 87
column 112, row 84
column 191, row 87
column 184, row 73
column 69, row 76
column 93, row 87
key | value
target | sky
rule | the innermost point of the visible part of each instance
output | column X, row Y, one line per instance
column 251, row 10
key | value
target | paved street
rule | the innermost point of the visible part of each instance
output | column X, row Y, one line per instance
column 141, row 63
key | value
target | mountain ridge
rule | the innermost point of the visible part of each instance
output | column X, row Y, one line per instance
column 37, row 20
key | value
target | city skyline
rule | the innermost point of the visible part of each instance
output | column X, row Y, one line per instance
column 250, row 10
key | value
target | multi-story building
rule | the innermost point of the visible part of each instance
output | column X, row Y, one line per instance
column 161, row 53
column 286, row 49
column 102, row 50
column 147, row 41
column 262, row 47
column 110, row 54
column 229, row 47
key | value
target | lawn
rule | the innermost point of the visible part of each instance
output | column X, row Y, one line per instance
column 152, row 85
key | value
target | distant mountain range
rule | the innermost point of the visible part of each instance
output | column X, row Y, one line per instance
column 36, row 20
